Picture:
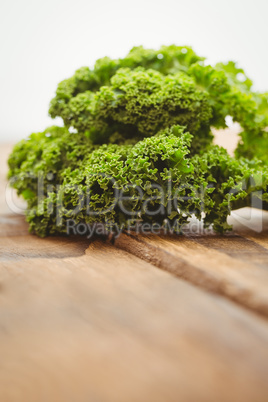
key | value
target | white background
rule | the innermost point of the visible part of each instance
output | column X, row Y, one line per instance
column 43, row 42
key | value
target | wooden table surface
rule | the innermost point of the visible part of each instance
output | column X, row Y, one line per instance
column 150, row 318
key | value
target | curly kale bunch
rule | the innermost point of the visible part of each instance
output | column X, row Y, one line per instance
column 136, row 145
column 137, row 104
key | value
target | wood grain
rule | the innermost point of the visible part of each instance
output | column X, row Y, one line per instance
column 230, row 265
column 87, row 321
column 108, row 326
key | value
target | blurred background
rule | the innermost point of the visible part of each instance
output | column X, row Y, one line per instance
column 43, row 42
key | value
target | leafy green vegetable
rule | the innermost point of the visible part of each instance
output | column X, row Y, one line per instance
column 137, row 145
column 167, row 60
column 137, row 104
